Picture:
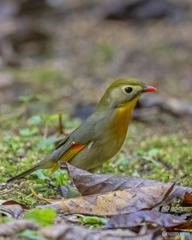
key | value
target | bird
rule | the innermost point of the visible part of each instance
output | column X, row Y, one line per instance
column 102, row 135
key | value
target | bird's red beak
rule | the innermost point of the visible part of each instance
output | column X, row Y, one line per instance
column 149, row 89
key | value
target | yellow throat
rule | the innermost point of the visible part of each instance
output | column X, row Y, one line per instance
column 122, row 118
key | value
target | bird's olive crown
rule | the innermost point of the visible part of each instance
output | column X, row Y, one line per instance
column 121, row 92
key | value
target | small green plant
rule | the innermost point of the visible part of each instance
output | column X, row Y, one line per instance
column 42, row 216
column 91, row 219
column 29, row 234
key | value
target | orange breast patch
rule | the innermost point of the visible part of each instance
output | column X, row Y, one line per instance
column 121, row 122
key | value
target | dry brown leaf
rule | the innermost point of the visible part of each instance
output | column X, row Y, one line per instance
column 187, row 200
column 134, row 219
column 13, row 202
column 88, row 183
column 68, row 232
column 16, row 226
column 12, row 208
column 116, row 202
column 14, row 211
column 53, row 206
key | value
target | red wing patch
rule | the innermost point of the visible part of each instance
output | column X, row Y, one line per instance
column 68, row 155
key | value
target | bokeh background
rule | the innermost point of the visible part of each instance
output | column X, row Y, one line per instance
column 59, row 56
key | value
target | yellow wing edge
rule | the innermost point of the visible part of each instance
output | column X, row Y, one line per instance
column 67, row 156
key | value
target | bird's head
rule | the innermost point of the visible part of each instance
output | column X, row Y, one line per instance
column 124, row 92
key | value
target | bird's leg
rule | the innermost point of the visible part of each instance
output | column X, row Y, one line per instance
column 50, row 184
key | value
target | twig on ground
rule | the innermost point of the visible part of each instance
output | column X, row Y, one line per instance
column 5, row 192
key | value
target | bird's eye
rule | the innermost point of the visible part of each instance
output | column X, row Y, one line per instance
column 128, row 89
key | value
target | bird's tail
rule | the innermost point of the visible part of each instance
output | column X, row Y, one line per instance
column 23, row 174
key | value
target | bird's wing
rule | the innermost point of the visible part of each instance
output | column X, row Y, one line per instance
column 71, row 145
column 63, row 141
column 72, row 151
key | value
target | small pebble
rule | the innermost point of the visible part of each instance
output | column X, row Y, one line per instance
column 3, row 184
